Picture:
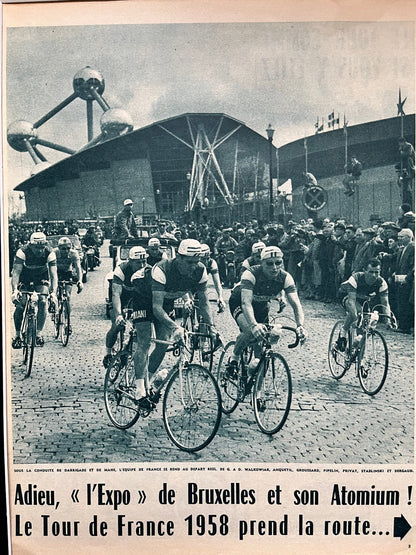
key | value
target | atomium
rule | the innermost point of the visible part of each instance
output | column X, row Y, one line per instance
column 86, row 80
column 115, row 122
column 88, row 85
column 20, row 131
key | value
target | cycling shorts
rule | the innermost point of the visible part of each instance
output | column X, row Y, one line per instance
column 261, row 310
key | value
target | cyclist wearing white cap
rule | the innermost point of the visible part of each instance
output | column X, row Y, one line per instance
column 254, row 259
column 33, row 263
column 67, row 263
column 154, row 251
column 172, row 279
column 122, row 291
column 212, row 268
column 249, row 301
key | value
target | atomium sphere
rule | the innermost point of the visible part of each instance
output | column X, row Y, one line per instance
column 18, row 131
column 39, row 168
column 115, row 122
column 85, row 80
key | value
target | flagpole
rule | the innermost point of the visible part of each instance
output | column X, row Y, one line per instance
column 305, row 145
column 346, row 143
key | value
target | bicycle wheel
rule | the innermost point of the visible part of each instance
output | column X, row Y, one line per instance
column 229, row 385
column 65, row 323
column 191, row 407
column 272, row 394
column 373, row 362
column 57, row 318
column 119, row 387
column 337, row 360
column 29, row 345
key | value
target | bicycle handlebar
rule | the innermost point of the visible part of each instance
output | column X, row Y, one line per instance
column 296, row 343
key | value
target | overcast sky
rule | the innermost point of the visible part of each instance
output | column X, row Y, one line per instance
column 285, row 74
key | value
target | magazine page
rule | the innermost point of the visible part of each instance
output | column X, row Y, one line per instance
column 208, row 276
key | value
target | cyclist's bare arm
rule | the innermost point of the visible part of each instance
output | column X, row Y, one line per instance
column 351, row 307
column 293, row 300
column 53, row 275
column 247, row 307
column 204, row 308
column 117, row 289
column 16, row 271
column 384, row 304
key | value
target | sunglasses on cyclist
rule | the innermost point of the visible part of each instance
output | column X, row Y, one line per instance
column 65, row 248
column 274, row 263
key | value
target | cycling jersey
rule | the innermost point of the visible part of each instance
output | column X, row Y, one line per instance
column 264, row 290
column 35, row 264
column 211, row 266
column 357, row 283
column 152, row 260
column 166, row 277
column 66, row 263
column 248, row 263
column 142, row 295
column 122, row 276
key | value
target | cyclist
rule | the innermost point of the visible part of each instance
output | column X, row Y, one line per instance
column 254, row 259
column 172, row 279
column 212, row 268
column 154, row 251
column 67, row 262
column 34, row 262
column 360, row 287
column 249, row 301
column 122, row 291
column 224, row 244
column 142, row 315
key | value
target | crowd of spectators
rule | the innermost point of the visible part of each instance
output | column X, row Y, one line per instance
column 320, row 254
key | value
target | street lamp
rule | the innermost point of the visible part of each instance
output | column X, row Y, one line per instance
column 270, row 133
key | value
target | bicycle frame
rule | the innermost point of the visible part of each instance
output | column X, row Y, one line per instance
column 30, row 312
column 266, row 352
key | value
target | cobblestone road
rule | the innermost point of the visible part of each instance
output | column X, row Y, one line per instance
column 58, row 414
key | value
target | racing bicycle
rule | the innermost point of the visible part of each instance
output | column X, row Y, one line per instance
column 269, row 383
column 29, row 326
column 61, row 314
column 366, row 350
column 191, row 402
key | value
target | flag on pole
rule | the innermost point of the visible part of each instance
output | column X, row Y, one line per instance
column 321, row 127
column 336, row 121
column 400, row 111
column 331, row 119
column 317, row 125
column 286, row 187
column 345, row 125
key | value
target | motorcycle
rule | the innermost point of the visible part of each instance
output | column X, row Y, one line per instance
column 93, row 260
column 230, row 269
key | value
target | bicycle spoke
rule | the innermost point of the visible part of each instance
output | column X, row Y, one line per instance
column 119, row 387
column 373, row 363
column 229, row 385
column 65, row 323
column 272, row 394
column 191, row 408
column 337, row 359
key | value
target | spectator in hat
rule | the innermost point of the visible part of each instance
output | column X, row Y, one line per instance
column 404, row 278
column 125, row 225
column 348, row 244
